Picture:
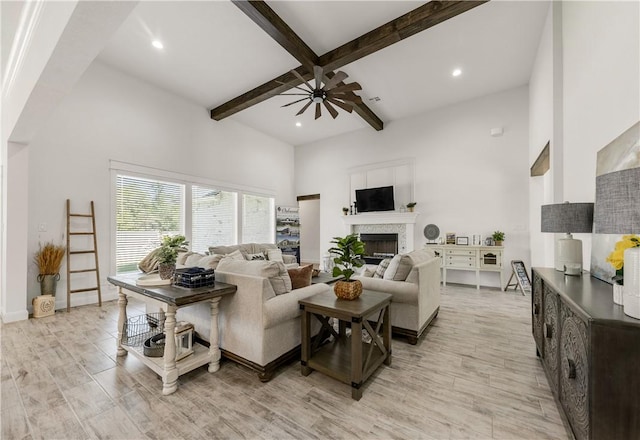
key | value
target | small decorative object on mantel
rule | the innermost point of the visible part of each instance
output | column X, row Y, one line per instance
column 48, row 258
column 410, row 206
column 498, row 237
column 616, row 259
column 345, row 210
column 168, row 254
column 348, row 254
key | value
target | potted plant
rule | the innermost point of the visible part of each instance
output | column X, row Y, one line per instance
column 347, row 253
column 410, row 206
column 498, row 237
column 168, row 254
column 345, row 210
column 48, row 258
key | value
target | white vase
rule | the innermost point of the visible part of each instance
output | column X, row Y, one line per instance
column 618, row 290
column 632, row 282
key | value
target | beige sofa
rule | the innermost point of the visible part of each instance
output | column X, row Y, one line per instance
column 259, row 324
column 414, row 281
column 251, row 249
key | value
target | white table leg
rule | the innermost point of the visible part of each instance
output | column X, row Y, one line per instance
column 214, row 338
column 122, row 319
column 477, row 279
column 444, row 276
column 170, row 378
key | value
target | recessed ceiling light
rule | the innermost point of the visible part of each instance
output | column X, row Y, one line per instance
column 456, row 72
column 298, row 124
column 157, row 44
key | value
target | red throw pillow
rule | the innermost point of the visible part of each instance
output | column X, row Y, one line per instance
column 300, row 276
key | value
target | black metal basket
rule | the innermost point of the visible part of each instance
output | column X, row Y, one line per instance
column 139, row 328
column 191, row 279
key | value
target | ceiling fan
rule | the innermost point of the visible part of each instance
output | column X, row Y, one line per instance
column 330, row 93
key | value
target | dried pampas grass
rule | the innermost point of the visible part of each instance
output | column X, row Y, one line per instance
column 49, row 258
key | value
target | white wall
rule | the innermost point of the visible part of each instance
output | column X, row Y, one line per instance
column 466, row 181
column 110, row 115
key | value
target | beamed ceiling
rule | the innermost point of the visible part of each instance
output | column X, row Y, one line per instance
column 233, row 58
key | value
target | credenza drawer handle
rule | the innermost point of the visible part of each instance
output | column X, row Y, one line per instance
column 547, row 330
column 571, row 373
column 536, row 309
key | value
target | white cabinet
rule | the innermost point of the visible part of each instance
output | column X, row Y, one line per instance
column 475, row 258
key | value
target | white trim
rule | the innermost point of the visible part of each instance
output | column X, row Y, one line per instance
column 20, row 315
column 155, row 173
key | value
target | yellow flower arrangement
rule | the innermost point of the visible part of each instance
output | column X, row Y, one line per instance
column 616, row 257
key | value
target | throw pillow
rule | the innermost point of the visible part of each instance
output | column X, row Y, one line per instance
column 236, row 255
column 150, row 262
column 300, row 276
column 258, row 256
column 210, row 261
column 382, row 267
column 193, row 260
column 182, row 257
column 274, row 255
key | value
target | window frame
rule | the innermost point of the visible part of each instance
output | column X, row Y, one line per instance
column 122, row 168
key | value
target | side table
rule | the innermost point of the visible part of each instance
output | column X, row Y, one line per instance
column 172, row 298
column 347, row 358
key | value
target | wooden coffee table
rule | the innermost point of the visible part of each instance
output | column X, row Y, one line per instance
column 346, row 358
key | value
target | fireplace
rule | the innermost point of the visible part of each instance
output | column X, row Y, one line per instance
column 377, row 247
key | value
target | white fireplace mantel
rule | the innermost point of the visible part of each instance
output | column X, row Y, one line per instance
column 381, row 218
column 383, row 222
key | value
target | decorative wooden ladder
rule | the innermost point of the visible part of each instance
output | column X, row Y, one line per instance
column 70, row 252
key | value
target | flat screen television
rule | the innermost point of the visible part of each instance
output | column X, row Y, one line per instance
column 375, row 199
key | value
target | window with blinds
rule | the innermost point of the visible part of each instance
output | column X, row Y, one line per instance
column 145, row 211
column 258, row 218
column 214, row 218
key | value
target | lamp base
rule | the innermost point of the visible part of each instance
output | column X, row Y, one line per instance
column 568, row 255
column 632, row 282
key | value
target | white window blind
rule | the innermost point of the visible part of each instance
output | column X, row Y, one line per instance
column 145, row 211
column 214, row 218
column 258, row 218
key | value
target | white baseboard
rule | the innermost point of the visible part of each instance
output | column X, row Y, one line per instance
column 109, row 293
column 20, row 315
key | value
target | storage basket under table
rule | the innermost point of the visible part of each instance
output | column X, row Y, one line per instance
column 139, row 328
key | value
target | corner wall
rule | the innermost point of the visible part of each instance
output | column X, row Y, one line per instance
column 466, row 181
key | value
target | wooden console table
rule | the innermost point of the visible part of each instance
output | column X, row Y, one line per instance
column 344, row 358
column 475, row 258
column 171, row 299
column 590, row 352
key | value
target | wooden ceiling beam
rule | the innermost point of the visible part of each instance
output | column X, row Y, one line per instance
column 411, row 23
column 276, row 28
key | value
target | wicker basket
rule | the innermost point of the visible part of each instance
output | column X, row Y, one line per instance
column 348, row 289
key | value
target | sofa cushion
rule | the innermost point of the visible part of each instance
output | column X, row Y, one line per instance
column 210, row 261
column 396, row 271
column 275, row 255
column 256, row 256
column 273, row 270
column 382, row 268
column 192, row 260
column 236, row 255
column 300, row 276
column 182, row 257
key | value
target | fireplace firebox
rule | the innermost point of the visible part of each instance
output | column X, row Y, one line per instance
column 377, row 247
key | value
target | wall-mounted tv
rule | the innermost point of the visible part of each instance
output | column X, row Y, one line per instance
column 375, row 199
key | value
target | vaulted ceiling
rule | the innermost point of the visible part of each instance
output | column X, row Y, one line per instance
column 214, row 52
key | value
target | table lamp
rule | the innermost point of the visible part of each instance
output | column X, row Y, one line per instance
column 567, row 218
column 617, row 211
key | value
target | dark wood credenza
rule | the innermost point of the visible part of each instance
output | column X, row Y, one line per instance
column 590, row 352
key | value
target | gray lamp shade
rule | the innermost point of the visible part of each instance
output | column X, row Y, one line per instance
column 617, row 209
column 567, row 217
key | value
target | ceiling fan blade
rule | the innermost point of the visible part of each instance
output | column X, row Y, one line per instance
column 317, row 73
column 304, row 108
column 291, row 103
column 294, row 94
column 331, row 109
column 339, row 76
column 297, row 75
column 350, row 97
column 318, row 110
column 347, row 88
column 343, row 105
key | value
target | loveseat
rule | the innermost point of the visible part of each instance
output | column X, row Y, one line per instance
column 260, row 323
column 414, row 281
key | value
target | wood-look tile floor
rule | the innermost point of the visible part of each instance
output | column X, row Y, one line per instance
column 473, row 375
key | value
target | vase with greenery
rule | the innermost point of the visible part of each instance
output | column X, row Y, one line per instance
column 168, row 254
column 410, row 206
column 347, row 255
column 345, row 210
column 498, row 237
column 48, row 258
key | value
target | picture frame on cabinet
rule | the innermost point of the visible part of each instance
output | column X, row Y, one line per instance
column 462, row 241
column 451, row 238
